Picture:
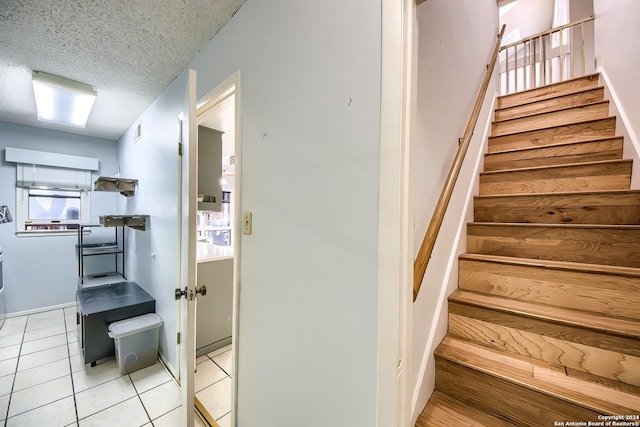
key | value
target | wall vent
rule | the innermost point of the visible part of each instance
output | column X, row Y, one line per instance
column 137, row 133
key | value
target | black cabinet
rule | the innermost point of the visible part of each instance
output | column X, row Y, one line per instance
column 100, row 306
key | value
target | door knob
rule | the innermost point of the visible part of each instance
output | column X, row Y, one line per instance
column 179, row 293
column 202, row 290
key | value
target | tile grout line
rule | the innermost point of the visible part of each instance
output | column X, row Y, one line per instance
column 218, row 365
column 73, row 387
column 140, row 399
column 15, row 372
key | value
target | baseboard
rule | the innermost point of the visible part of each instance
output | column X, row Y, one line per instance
column 212, row 347
column 168, row 366
column 623, row 128
column 40, row 310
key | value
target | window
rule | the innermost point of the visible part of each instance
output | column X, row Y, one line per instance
column 51, row 209
column 52, row 191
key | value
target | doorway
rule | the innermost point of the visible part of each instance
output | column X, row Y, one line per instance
column 217, row 116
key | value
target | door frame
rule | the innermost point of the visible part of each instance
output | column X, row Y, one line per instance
column 395, row 214
column 230, row 86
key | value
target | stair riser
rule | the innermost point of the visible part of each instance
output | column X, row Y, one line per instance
column 610, row 149
column 608, row 246
column 556, row 118
column 587, row 177
column 519, row 405
column 566, row 101
column 555, row 135
column 560, row 89
column 588, row 208
column 551, row 343
column 608, row 294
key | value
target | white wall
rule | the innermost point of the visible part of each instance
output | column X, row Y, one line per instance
column 310, row 99
column 43, row 271
column 616, row 51
column 455, row 42
column 154, row 161
column 310, row 91
column 526, row 18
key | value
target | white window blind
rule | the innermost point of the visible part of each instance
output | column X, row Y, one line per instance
column 52, row 191
column 52, row 177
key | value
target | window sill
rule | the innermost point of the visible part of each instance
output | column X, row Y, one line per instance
column 40, row 233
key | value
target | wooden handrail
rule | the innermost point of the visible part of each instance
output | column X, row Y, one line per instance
column 420, row 264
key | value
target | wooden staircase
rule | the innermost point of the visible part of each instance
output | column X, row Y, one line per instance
column 545, row 324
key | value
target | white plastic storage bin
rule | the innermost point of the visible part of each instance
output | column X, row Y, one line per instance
column 136, row 341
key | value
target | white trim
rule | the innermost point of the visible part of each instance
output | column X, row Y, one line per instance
column 626, row 127
column 41, row 309
column 30, row 157
column 395, row 263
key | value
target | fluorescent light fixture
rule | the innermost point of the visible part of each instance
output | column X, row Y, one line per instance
column 62, row 101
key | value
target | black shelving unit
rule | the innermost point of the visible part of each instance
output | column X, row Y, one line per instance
column 114, row 248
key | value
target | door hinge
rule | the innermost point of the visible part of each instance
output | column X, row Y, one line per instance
column 178, row 338
column 179, row 148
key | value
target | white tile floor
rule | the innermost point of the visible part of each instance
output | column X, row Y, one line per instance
column 44, row 381
column 213, row 384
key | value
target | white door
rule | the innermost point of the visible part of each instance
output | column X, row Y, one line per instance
column 189, row 165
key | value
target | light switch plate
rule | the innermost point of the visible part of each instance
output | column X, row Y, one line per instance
column 247, row 223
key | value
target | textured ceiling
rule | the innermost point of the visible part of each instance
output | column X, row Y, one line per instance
column 128, row 50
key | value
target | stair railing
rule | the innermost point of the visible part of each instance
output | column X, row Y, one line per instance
column 424, row 254
column 544, row 58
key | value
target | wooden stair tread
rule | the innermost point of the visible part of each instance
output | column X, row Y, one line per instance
column 557, row 167
column 569, row 153
column 568, row 94
column 562, row 144
column 543, row 120
column 634, row 227
column 548, row 91
column 547, row 127
column 551, row 112
column 565, row 193
column 556, row 265
column 445, row 411
column 588, row 77
column 574, row 207
column 590, row 243
column 538, row 376
column 583, row 319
